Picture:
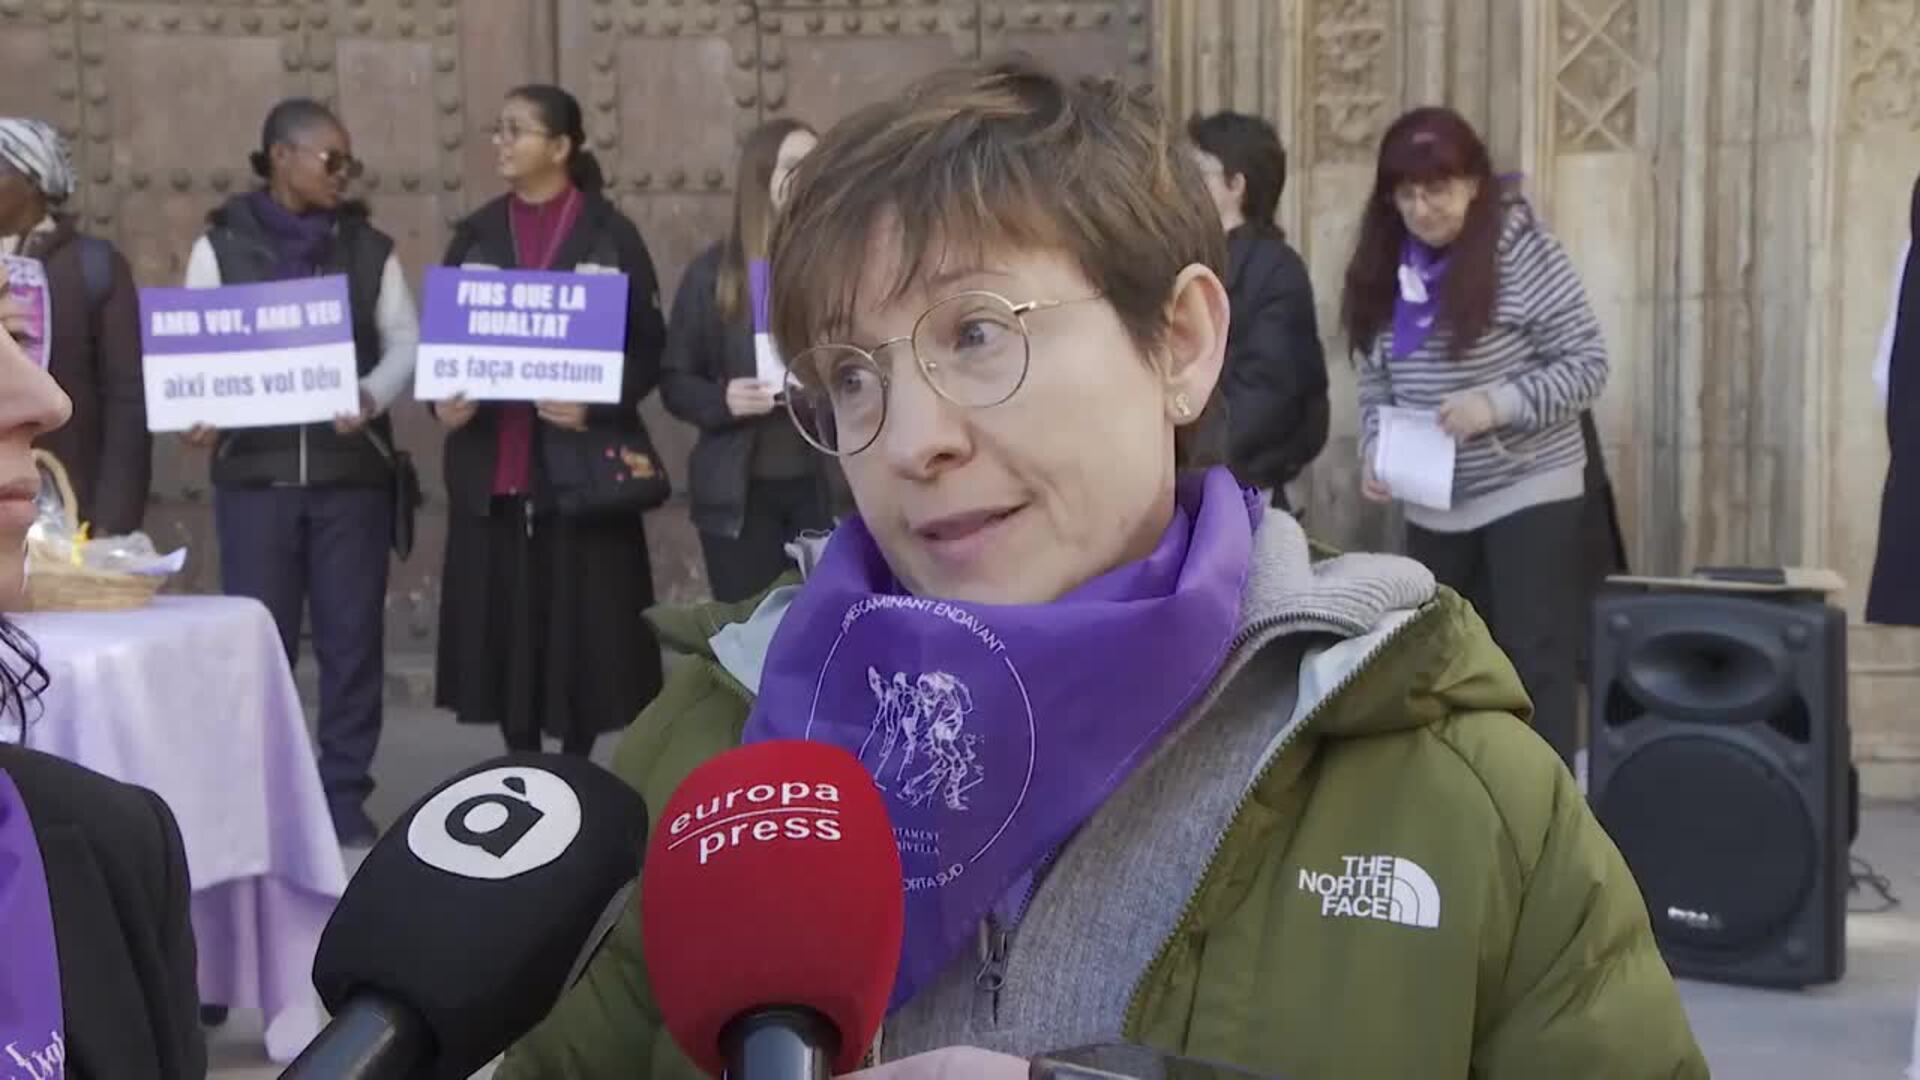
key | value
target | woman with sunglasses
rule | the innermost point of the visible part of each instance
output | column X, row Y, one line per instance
column 306, row 510
column 540, row 610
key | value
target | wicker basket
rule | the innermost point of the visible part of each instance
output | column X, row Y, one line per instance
column 55, row 584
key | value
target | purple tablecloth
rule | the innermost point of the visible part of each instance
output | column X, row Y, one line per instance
column 191, row 697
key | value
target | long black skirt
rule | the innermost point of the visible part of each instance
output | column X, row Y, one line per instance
column 541, row 627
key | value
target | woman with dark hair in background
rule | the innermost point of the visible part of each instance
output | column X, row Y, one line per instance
column 305, row 512
column 96, row 947
column 755, row 484
column 95, row 349
column 1459, row 301
column 1275, row 383
column 540, row 612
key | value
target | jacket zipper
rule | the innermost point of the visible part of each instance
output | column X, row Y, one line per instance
column 996, row 943
column 1130, row 1020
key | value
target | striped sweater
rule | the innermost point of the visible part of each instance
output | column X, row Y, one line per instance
column 1542, row 361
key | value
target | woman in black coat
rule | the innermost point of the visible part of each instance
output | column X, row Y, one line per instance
column 96, row 944
column 754, row 482
column 541, row 627
column 1894, row 597
column 1275, row 382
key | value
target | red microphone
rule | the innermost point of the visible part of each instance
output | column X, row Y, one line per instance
column 771, row 910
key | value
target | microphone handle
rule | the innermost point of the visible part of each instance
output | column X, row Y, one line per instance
column 371, row 1038
column 780, row 1042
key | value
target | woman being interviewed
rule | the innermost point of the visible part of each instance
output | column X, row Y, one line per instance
column 540, row 625
column 1002, row 299
column 1459, row 302
column 755, row 484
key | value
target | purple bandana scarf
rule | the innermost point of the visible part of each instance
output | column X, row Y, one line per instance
column 1416, row 303
column 300, row 241
column 994, row 731
column 32, row 1027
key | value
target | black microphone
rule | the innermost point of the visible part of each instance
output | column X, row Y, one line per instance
column 471, row 916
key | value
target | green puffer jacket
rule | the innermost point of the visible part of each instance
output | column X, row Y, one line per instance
column 1500, row 936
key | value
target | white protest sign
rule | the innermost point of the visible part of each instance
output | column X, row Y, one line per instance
column 249, row 355
column 521, row 335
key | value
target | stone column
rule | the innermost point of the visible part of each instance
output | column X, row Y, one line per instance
column 1874, row 84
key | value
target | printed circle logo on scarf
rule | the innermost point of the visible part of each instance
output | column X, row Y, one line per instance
column 950, row 738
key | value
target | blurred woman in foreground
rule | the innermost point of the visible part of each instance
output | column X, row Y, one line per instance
column 96, row 949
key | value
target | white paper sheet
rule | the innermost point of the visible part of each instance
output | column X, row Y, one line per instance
column 768, row 366
column 1414, row 456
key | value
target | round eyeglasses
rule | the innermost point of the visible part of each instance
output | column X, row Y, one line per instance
column 972, row 347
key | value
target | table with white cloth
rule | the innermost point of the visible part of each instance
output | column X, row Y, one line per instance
column 192, row 698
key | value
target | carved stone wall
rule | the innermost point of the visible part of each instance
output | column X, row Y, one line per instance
column 1875, row 147
column 1883, row 65
column 1349, row 51
column 163, row 100
column 1731, row 179
column 1597, row 75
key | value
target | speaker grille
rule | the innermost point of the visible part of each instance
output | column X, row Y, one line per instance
column 1718, row 838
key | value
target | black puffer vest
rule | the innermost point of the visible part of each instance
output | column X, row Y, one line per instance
column 306, row 455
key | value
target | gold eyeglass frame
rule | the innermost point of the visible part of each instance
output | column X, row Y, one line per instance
column 927, row 367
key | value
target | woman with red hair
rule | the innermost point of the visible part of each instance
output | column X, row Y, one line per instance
column 1458, row 302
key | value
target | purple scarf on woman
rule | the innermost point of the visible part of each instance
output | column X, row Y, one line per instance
column 994, row 731
column 32, row 1023
column 300, row 241
column 1416, row 301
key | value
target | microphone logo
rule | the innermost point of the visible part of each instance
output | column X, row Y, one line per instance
column 496, row 824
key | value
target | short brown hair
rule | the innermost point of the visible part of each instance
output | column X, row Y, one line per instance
column 1003, row 154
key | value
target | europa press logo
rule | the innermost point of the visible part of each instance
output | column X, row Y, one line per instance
column 496, row 824
column 758, row 814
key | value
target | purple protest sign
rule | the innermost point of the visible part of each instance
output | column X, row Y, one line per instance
column 768, row 366
column 760, row 284
column 521, row 335
column 278, row 352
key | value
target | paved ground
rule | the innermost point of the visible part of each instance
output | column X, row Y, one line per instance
column 1859, row 1029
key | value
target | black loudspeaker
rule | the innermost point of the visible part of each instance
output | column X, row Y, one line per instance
column 1719, row 763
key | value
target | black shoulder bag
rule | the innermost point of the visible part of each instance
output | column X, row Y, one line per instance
column 603, row 473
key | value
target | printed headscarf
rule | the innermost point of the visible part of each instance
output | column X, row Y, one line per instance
column 37, row 151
